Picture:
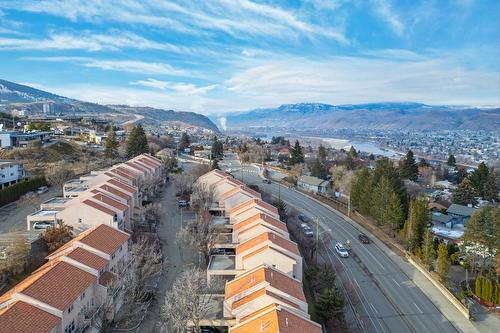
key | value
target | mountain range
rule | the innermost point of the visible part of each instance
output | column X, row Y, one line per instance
column 13, row 95
column 408, row 116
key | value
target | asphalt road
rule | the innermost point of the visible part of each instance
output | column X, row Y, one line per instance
column 383, row 295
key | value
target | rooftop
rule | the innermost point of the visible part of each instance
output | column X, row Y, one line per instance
column 22, row 317
column 461, row 210
column 57, row 200
column 44, row 212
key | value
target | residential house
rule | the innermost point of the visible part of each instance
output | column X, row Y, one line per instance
column 276, row 318
column 11, row 172
column 260, row 287
column 315, row 185
column 9, row 139
column 62, row 295
column 460, row 213
column 272, row 249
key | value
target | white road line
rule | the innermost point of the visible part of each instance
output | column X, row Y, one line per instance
column 396, row 282
column 417, row 307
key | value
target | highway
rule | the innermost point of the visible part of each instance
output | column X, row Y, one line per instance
column 377, row 281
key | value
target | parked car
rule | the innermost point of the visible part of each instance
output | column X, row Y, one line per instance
column 42, row 225
column 304, row 218
column 364, row 239
column 183, row 203
column 306, row 229
column 267, row 181
column 341, row 251
column 42, row 189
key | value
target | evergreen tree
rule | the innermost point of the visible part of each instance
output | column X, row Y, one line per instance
column 491, row 187
column 394, row 214
column 487, row 289
column 137, row 142
column 329, row 302
column 297, row 156
column 282, row 210
column 185, row 141
column 353, row 153
column 380, row 199
column 409, row 168
column 483, row 229
column 451, row 160
column 465, row 193
column 215, row 164
column 479, row 178
column 461, row 175
column 349, row 163
column 217, row 148
column 322, row 153
column 361, row 191
column 478, row 290
column 111, row 145
column 428, row 249
column 318, row 170
column 443, row 263
column 415, row 225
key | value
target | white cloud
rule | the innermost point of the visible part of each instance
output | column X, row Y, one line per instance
column 131, row 66
column 240, row 18
column 385, row 11
column 341, row 80
column 87, row 41
column 182, row 88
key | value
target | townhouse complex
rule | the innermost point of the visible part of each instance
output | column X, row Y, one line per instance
column 112, row 196
column 64, row 294
column 262, row 266
column 68, row 293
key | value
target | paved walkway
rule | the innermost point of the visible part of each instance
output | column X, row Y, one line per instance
column 170, row 223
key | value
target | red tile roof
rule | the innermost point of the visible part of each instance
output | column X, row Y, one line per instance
column 136, row 166
column 262, row 239
column 88, row 258
column 260, row 216
column 111, row 202
column 276, row 319
column 115, row 191
column 105, row 239
column 149, row 162
column 273, row 277
column 251, row 203
column 97, row 206
column 22, row 317
column 60, row 286
column 121, row 185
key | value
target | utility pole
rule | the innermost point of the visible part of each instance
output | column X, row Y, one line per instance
column 317, row 238
column 349, row 205
column 279, row 190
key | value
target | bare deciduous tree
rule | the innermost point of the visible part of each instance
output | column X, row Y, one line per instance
column 202, row 196
column 200, row 234
column 199, row 170
column 184, row 183
column 57, row 174
column 189, row 301
column 342, row 178
column 146, row 262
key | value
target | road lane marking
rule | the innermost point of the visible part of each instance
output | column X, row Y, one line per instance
column 417, row 307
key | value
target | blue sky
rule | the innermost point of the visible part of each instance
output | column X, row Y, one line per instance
column 230, row 55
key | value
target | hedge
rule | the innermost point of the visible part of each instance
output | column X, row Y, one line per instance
column 487, row 290
column 14, row 192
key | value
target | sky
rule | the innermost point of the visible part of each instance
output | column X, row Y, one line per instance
column 232, row 55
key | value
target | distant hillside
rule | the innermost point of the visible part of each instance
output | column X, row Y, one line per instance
column 410, row 116
column 153, row 115
column 13, row 95
column 11, row 92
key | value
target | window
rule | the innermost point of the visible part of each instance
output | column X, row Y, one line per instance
column 82, row 296
column 120, row 250
column 70, row 308
column 113, row 256
column 79, row 220
column 70, row 328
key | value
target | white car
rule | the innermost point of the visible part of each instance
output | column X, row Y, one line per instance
column 42, row 189
column 42, row 225
column 341, row 251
